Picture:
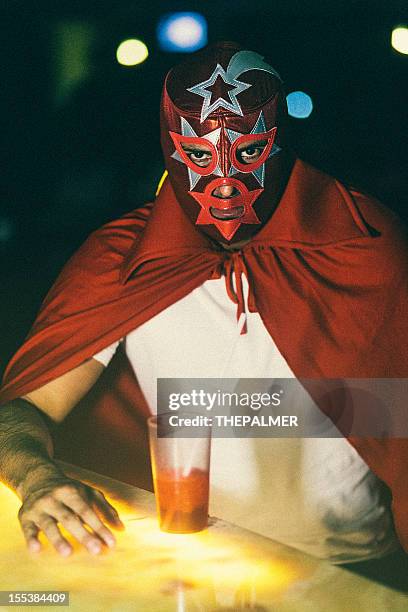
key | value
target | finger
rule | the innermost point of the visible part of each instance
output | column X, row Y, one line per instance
column 90, row 518
column 49, row 526
column 30, row 532
column 107, row 510
column 73, row 524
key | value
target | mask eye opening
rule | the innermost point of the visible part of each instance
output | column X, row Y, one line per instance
column 252, row 139
column 190, row 141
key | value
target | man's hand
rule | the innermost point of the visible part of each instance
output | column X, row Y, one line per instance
column 51, row 499
column 80, row 509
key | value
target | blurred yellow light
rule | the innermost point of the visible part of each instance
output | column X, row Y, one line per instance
column 399, row 40
column 160, row 185
column 131, row 52
column 207, row 559
column 209, row 570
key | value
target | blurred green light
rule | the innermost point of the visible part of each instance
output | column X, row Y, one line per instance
column 131, row 52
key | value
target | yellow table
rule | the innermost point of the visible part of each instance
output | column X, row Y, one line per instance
column 222, row 568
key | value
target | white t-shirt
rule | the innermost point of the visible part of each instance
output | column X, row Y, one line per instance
column 315, row 494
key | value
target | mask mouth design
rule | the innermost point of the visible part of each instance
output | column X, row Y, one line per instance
column 227, row 208
column 230, row 212
column 226, row 203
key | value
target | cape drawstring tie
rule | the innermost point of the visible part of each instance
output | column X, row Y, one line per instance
column 233, row 267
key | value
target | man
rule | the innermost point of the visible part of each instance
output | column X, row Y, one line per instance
column 250, row 264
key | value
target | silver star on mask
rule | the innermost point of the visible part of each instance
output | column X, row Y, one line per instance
column 201, row 90
column 240, row 62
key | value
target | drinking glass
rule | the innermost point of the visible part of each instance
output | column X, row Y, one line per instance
column 181, row 467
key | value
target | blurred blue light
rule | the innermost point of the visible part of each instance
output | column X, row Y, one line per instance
column 182, row 32
column 300, row 105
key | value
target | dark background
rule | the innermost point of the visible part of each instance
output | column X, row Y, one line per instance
column 80, row 132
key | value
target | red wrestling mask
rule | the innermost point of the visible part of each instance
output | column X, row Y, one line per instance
column 222, row 130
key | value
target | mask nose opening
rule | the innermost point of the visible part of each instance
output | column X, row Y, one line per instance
column 225, row 192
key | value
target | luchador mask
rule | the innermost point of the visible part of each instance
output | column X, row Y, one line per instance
column 222, row 120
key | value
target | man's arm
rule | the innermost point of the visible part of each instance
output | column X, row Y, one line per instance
column 49, row 497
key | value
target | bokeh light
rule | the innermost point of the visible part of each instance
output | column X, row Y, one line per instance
column 131, row 52
column 182, row 32
column 399, row 39
column 6, row 229
column 300, row 105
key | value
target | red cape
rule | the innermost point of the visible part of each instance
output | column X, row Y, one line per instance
column 328, row 276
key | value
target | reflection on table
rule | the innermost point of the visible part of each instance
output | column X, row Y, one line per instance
column 222, row 568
